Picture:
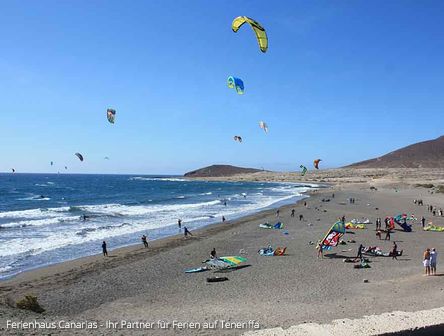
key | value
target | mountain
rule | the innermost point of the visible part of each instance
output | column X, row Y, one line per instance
column 220, row 171
column 426, row 154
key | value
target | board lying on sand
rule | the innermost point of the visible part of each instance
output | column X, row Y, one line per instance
column 217, row 279
column 196, row 270
column 269, row 252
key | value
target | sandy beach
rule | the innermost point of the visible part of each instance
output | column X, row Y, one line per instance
column 137, row 284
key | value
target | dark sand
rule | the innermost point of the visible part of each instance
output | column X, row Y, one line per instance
column 135, row 284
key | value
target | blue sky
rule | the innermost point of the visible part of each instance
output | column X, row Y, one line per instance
column 342, row 80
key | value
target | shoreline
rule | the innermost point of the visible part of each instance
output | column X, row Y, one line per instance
column 134, row 246
column 166, row 232
column 155, row 246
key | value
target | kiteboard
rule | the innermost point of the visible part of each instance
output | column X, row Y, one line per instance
column 196, row 270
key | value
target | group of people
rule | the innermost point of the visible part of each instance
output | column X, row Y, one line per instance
column 429, row 262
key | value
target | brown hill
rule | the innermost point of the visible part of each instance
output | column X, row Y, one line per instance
column 426, row 154
column 220, row 171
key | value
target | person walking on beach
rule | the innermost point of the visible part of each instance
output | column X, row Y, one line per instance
column 387, row 235
column 144, row 241
column 292, row 212
column 105, row 252
column 378, row 234
column 179, row 223
column 343, row 219
column 186, row 232
column 301, row 217
column 395, row 251
column 433, row 256
column 426, row 262
column 423, row 221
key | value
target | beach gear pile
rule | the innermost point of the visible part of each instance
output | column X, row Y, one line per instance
column 269, row 251
column 352, row 226
column 434, row 228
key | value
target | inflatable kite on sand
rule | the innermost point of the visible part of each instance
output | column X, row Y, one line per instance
column 277, row 226
column 333, row 236
column 270, row 252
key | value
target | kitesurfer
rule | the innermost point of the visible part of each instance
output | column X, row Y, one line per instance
column 105, row 251
column 144, row 241
column 213, row 254
column 319, row 247
column 186, row 232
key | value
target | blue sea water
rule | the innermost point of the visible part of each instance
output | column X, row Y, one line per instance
column 42, row 216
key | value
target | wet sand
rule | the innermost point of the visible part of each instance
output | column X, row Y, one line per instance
column 135, row 284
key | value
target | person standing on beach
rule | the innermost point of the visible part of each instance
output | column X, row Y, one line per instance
column 359, row 255
column 433, row 256
column 179, row 223
column 213, row 254
column 426, row 262
column 105, row 252
column 186, row 232
column 144, row 241
column 387, row 235
column 301, row 217
column 343, row 219
column 319, row 247
column 292, row 212
column 423, row 221
column 277, row 213
column 223, row 219
column 395, row 251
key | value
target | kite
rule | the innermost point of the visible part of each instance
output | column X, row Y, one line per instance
column 261, row 35
column 304, row 170
column 111, row 115
column 106, row 158
column 236, row 83
column 225, row 262
column 52, row 163
column 13, row 170
column 333, row 236
column 66, row 168
column 264, row 126
column 237, row 138
column 316, row 163
column 80, row 156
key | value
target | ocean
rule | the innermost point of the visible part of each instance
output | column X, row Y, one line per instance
column 50, row 218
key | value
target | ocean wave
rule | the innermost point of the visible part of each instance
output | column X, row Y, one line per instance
column 170, row 179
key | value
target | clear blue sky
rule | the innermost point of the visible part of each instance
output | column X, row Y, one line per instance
column 342, row 80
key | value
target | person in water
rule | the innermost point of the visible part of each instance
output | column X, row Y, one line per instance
column 144, row 241
column 186, row 232
column 179, row 223
column 213, row 254
column 223, row 219
column 105, row 251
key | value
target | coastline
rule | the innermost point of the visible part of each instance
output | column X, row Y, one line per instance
column 131, row 247
column 151, row 284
